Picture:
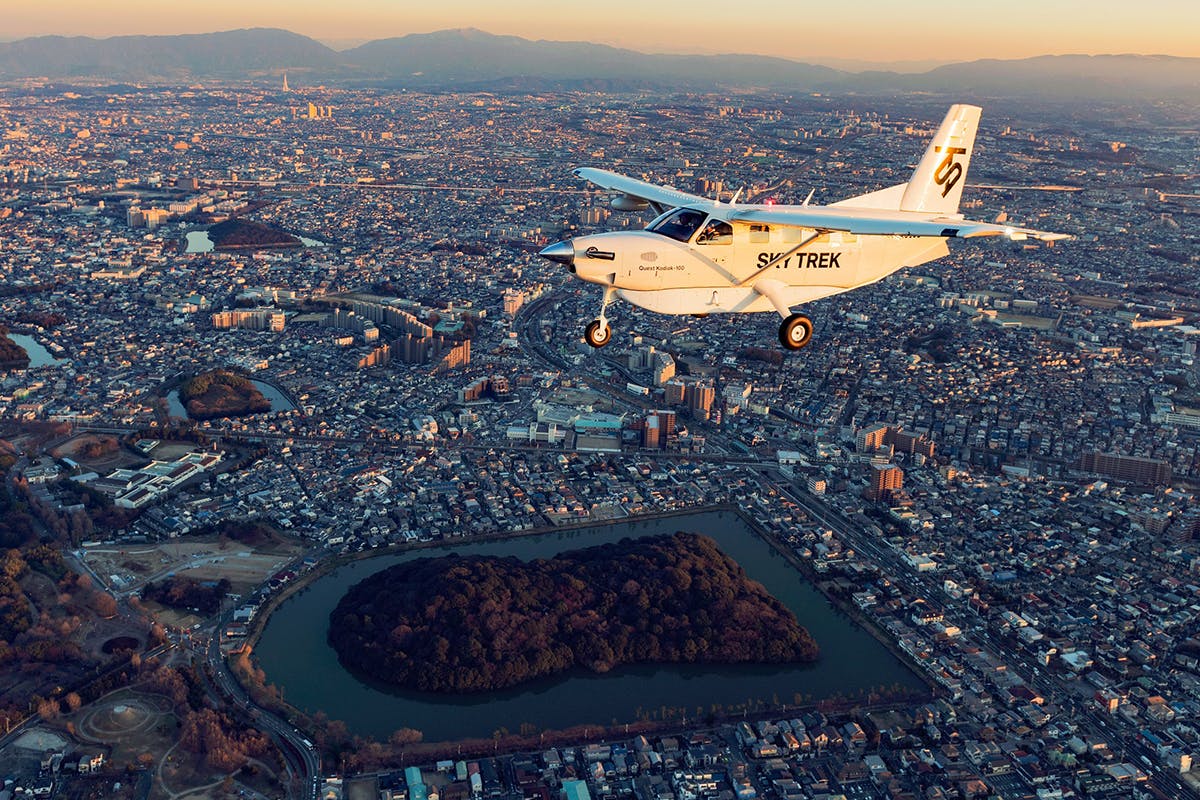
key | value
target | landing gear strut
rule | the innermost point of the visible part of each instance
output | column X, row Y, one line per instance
column 598, row 332
column 795, row 331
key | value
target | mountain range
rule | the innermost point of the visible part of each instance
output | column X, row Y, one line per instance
column 473, row 59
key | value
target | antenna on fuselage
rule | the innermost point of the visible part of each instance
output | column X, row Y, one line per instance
column 733, row 200
column 811, row 192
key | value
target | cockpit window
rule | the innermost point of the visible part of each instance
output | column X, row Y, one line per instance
column 679, row 225
column 716, row 232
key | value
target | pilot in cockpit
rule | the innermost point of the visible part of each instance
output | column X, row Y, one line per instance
column 716, row 232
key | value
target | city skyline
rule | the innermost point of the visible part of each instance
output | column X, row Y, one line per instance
column 923, row 33
column 314, row 483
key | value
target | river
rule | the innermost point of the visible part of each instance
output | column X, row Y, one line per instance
column 279, row 401
column 296, row 657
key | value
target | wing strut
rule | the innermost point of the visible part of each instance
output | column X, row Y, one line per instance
column 779, row 258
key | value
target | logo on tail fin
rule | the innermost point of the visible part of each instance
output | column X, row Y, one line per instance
column 948, row 172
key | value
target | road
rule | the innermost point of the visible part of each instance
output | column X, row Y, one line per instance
column 301, row 756
column 304, row 762
column 386, row 446
column 1092, row 724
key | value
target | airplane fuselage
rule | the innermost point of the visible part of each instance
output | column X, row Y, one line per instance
column 701, row 276
column 705, row 257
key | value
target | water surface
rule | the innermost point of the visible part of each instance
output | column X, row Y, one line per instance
column 296, row 656
column 39, row 356
column 279, row 401
column 200, row 242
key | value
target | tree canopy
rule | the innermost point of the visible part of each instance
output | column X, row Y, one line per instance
column 476, row 623
column 221, row 393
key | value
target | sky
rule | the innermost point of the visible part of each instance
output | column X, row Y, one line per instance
column 862, row 30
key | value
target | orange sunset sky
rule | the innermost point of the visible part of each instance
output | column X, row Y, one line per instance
column 869, row 30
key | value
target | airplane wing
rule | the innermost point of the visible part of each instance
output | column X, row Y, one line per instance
column 885, row 223
column 823, row 218
column 641, row 190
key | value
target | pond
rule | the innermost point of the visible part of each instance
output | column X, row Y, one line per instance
column 39, row 356
column 296, row 657
column 279, row 401
column 200, row 242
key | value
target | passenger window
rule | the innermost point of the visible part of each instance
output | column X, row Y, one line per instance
column 797, row 235
column 716, row 232
column 794, row 235
column 760, row 234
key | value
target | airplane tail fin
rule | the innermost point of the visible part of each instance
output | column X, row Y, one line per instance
column 937, row 182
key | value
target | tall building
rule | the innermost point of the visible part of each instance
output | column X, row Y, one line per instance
column 662, row 367
column 872, row 438
column 673, row 392
column 666, row 422
column 513, row 300
column 351, row 321
column 149, row 218
column 252, row 319
column 911, row 443
column 881, row 435
column 473, row 391
column 658, row 430
column 378, row 357
column 699, row 398
column 883, row 479
column 445, row 354
column 1134, row 469
column 651, row 434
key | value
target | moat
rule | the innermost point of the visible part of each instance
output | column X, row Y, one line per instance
column 294, row 652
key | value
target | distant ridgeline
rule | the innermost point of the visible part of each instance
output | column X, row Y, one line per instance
column 510, row 63
column 468, row 624
column 220, row 393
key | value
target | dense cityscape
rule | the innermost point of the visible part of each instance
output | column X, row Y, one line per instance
column 988, row 462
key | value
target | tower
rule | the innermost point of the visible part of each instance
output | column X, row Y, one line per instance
column 285, row 86
column 883, row 480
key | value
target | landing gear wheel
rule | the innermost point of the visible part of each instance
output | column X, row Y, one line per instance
column 795, row 331
column 597, row 333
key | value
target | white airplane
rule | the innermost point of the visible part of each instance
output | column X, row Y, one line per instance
column 702, row 256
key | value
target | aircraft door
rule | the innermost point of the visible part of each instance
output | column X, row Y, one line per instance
column 714, row 248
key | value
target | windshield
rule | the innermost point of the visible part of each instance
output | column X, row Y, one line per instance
column 679, row 224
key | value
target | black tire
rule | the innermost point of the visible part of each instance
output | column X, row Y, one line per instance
column 795, row 332
column 596, row 335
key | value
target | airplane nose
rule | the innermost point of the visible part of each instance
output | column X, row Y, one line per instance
column 559, row 252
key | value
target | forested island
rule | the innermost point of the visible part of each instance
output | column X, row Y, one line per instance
column 12, row 355
column 458, row 624
column 239, row 233
column 221, row 393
